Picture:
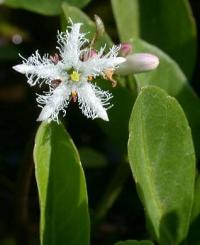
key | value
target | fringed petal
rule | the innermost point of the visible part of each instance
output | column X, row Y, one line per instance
column 55, row 101
column 99, row 63
column 70, row 43
column 93, row 102
column 38, row 69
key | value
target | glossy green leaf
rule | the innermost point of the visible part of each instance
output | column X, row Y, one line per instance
column 62, row 189
column 45, row 7
column 127, row 14
column 134, row 242
column 170, row 77
column 169, row 24
column 162, row 160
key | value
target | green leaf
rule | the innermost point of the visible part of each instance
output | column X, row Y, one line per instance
column 162, row 160
column 134, row 242
column 127, row 13
column 169, row 24
column 170, row 77
column 45, row 7
column 62, row 188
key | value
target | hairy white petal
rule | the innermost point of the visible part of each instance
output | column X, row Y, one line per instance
column 37, row 68
column 70, row 43
column 23, row 68
column 54, row 101
column 92, row 101
column 99, row 63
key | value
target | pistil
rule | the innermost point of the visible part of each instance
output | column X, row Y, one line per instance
column 75, row 76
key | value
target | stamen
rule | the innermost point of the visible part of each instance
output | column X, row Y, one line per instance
column 90, row 78
column 74, row 96
column 55, row 83
column 55, row 58
column 107, row 74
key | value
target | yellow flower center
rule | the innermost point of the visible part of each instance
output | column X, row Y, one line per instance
column 75, row 76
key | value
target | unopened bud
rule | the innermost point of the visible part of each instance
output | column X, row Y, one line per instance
column 125, row 49
column 137, row 63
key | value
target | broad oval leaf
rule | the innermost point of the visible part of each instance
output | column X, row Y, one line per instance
column 62, row 188
column 134, row 242
column 162, row 160
column 45, row 7
column 170, row 77
column 169, row 24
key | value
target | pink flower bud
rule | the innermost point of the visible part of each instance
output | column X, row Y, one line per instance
column 125, row 49
column 137, row 63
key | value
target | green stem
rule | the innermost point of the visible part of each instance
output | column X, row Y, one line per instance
column 113, row 190
column 133, row 85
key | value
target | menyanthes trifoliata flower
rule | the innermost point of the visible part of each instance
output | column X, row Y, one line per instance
column 70, row 75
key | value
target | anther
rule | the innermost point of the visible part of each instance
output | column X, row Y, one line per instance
column 90, row 78
column 55, row 58
column 55, row 83
column 107, row 74
column 74, row 96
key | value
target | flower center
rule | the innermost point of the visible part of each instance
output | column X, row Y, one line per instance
column 75, row 76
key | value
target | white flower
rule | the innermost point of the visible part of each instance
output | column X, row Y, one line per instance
column 69, row 75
